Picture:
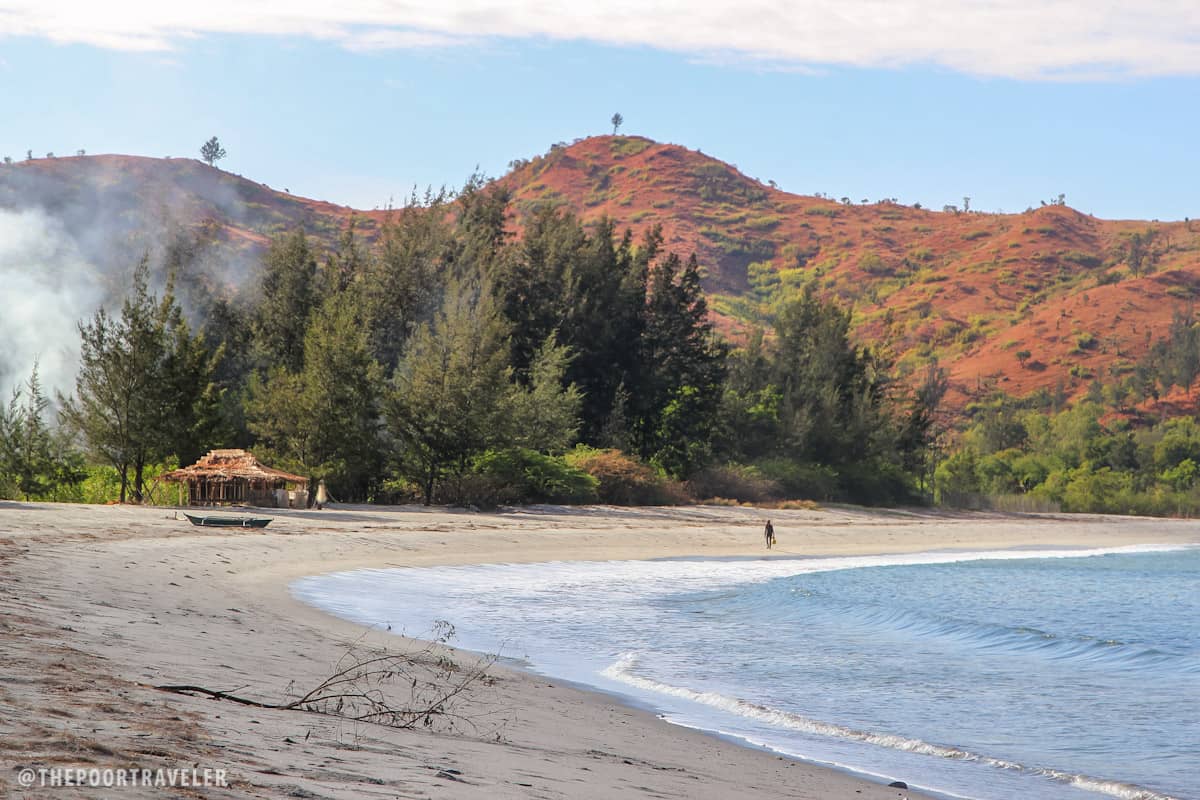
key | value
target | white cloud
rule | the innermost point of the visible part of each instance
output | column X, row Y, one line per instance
column 1063, row 39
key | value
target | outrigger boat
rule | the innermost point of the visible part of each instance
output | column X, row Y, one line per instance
column 228, row 522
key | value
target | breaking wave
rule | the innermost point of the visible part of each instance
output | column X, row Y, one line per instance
column 622, row 671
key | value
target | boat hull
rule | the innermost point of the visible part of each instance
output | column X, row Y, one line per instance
column 228, row 522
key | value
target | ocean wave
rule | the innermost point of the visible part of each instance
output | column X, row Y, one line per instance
column 1029, row 640
column 622, row 671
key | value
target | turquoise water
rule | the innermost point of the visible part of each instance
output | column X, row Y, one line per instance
column 1043, row 675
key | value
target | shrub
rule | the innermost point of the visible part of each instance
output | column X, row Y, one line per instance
column 719, row 501
column 1083, row 259
column 878, row 483
column 520, row 475
column 623, row 480
column 1100, row 491
column 398, row 491
column 872, row 264
column 102, row 485
column 764, row 223
column 794, row 505
column 797, row 480
column 623, row 146
column 737, row 481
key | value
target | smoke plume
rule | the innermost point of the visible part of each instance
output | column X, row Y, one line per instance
column 46, row 288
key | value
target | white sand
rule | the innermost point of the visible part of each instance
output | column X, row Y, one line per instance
column 100, row 604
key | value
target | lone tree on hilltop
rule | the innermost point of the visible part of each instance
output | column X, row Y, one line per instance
column 212, row 151
column 616, row 120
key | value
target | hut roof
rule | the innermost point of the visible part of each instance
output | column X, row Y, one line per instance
column 230, row 464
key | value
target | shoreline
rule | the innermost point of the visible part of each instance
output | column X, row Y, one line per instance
column 341, row 595
column 105, row 603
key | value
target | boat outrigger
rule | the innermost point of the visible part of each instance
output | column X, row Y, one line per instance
column 228, row 522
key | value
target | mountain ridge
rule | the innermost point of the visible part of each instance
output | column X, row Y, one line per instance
column 1045, row 299
column 1069, row 292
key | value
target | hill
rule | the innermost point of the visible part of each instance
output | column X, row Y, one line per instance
column 1019, row 302
column 116, row 207
column 1047, row 299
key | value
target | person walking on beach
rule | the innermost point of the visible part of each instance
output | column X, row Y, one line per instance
column 769, row 532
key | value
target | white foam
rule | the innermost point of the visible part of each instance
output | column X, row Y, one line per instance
column 562, row 594
column 640, row 578
column 622, row 671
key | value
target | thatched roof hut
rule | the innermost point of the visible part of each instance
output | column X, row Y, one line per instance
column 227, row 477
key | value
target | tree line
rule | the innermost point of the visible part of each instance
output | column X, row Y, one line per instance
column 451, row 360
column 1114, row 450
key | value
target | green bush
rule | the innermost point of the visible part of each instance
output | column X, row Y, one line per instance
column 872, row 264
column 102, row 485
column 519, row 475
column 878, row 483
column 1103, row 491
column 626, row 146
column 797, row 480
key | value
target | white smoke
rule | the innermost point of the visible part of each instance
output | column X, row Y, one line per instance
column 46, row 288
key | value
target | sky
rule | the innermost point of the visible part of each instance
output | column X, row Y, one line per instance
column 1008, row 102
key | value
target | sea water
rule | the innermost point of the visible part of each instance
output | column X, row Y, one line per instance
column 1043, row 675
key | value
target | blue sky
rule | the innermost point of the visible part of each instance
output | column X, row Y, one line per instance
column 356, row 120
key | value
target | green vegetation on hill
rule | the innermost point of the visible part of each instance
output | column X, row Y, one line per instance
column 1101, row 455
column 452, row 362
column 512, row 343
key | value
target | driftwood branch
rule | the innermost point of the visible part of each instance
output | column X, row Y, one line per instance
column 431, row 679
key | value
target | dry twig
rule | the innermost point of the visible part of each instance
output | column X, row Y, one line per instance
column 355, row 690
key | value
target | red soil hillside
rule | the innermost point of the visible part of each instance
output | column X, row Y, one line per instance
column 1011, row 301
column 973, row 290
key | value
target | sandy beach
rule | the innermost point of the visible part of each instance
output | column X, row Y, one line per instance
column 101, row 604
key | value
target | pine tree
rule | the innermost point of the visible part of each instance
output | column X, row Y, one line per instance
column 448, row 400
column 533, row 284
column 212, row 152
column 918, row 430
column 604, row 318
column 324, row 419
column 482, row 229
column 288, row 299
column 342, row 384
column 833, row 395
column 280, row 421
column 402, row 281
column 140, row 382
column 749, row 426
column 193, row 401
column 546, row 414
column 346, row 263
column 682, row 370
column 27, row 453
